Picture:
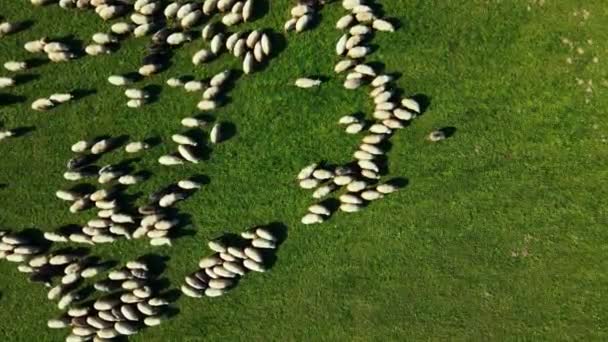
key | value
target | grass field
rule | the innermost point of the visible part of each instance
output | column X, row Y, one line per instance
column 500, row 233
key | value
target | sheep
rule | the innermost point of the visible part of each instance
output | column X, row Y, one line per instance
column 232, row 40
column 324, row 191
column 104, row 38
column 248, row 9
column 341, row 45
column 352, row 84
column 8, row 28
column 118, row 80
column 42, row 104
column 303, row 22
column 219, row 79
column 193, row 122
column 193, row 86
column 215, row 137
column 61, row 97
column 150, row 8
column 183, row 140
column 266, row 44
column 171, row 10
column 6, row 82
column 135, row 103
column 350, row 208
column 122, row 28
column 307, row 82
column 178, row 38
column 175, row 82
column 137, row 94
column 322, row 174
column 5, row 134
column 354, row 128
column 368, row 165
column 411, row 104
column 188, row 154
column 170, row 160
column 319, row 210
column 101, row 146
column 359, row 30
column 392, row 124
column 436, row 136
column 185, row 9
column 383, row 25
column 253, row 265
column 344, row 65
column 57, row 57
column 191, row 19
column 309, row 183
column 217, row 42
column 232, row 19
column 35, row 46
column 206, row 105
column 96, row 49
column 211, row 93
column 290, row 24
column 202, row 56
column 149, row 69
column 248, row 63
column 358, row 52
column 129, row 179
column 307, row 171
column 15, row 66
column 345, row 21
column 143, row 29
column 209, row 6
column 136, row 146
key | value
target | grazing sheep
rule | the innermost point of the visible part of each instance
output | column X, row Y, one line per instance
column 15, row 66
column 149, row 69
column 193, row 122
column 411, row 104
column 122, row 28
column 436, row 136
column 232, row 19
column 104, row 38
column 135, row 103
column 8, row 28
column 178, row 38
column 136, row 146
column 42, row 104
column 6, row 82
column 248, row 63
column 383, row 25
column 303, row 22
column 307, row 83
column 35, row 46
column 57, row 57
column 202, row 56
column 5, row 134
column 358, row 52
column 324, row 191
column 61, row 97
column 118, row 80
column 183, row 140
column 188, row 154
column 101, row 146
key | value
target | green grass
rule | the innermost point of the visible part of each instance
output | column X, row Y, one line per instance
column 524, row 175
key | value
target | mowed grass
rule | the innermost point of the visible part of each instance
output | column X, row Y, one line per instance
column 500, row 233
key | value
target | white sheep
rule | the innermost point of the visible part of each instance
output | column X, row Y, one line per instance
column 15, row 66
column 35, row 46
column 6, row 82
column 6, row 134
column 170, row 160
column 186, row 152
column 307, row 82
column 42, row 104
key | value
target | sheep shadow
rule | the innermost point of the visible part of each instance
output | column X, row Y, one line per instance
column 9, row 99
column 25, row 78
column 24, row 130
column 448, row 131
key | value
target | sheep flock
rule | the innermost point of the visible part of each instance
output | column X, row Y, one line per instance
column 102, row 301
